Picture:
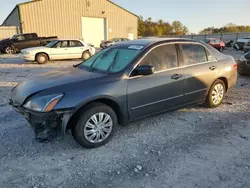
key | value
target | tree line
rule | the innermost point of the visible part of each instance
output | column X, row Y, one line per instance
column 229, row 28
column 148, row 27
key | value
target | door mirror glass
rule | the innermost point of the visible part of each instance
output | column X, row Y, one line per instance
column 144, row 70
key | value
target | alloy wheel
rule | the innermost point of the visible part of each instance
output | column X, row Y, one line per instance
column 218, row 93
column 98, row 127
column 9, row 50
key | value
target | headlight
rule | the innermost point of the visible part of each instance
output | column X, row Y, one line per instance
column 44, row 103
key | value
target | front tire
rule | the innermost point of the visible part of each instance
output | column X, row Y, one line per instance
column 9, row 50
column 42, row 58
column 95, row 126
column 216, row 94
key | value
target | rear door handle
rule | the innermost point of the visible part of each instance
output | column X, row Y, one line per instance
column 212, row 67
column 176, row 76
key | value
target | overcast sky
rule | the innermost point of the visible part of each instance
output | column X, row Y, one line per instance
column 195, row 14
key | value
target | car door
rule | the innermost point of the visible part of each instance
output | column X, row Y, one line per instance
column 200, row 70
column 26, row 41
column 20, row 42
column 158, row 92
column 31, row 40
column 75, row 50
column 60, row 51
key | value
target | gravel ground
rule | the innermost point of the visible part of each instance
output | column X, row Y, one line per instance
column 192, row 147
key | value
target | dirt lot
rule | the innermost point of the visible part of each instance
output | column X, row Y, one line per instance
column 192, row 147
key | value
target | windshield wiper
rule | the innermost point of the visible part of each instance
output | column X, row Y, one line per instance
column 114, row 61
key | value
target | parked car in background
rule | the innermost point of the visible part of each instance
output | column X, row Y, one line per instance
column 123, row 83
column 244, row 64
column 247, row 47
column 216, row 43
column 242, row 42
column 105, row 44
column 58, row 50
column 21, row 41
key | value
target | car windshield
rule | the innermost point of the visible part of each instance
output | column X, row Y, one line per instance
column 14, row 36
column 247, row 55
column 51, row 44
column 114, row 40
column 112, row 59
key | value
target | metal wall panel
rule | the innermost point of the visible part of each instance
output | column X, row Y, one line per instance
column 63, row 17
column 6, row 32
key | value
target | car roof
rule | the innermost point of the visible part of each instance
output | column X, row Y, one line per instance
column 150, row 41
column 68, row 39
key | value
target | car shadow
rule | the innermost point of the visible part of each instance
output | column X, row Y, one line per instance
column 17, row 59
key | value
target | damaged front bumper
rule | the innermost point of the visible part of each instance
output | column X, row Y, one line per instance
column 46, row 125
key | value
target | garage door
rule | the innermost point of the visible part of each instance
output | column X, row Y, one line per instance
column 94, row 30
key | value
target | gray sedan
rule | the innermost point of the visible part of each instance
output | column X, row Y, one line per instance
column 124, row 83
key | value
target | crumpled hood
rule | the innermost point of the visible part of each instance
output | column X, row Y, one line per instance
column 49, row 80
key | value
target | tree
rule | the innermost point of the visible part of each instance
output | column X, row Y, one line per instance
column 149, row 27
column 229, row 28
column 185, row 30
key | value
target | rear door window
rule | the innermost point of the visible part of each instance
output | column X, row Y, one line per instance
column 162, row 58
column 193, row 54
column 74, row 43
column 210, row 56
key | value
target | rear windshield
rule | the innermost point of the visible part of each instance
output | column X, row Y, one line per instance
column 112, row 59
column 205, row 40
column 247, row 55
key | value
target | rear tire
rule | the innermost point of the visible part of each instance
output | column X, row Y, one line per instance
column 221, row 49
column 95, row 126
column 86, row 55
column 216, row 94
column 42, row 58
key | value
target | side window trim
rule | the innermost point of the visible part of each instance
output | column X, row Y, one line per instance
column 179, row 54
column 177, row 43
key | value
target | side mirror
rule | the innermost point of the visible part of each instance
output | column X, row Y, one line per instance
column 144, row 70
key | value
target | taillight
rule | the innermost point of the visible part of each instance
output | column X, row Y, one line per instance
column 235, row 66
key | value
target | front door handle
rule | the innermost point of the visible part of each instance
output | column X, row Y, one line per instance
column 212, row 67
column 176, row 76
